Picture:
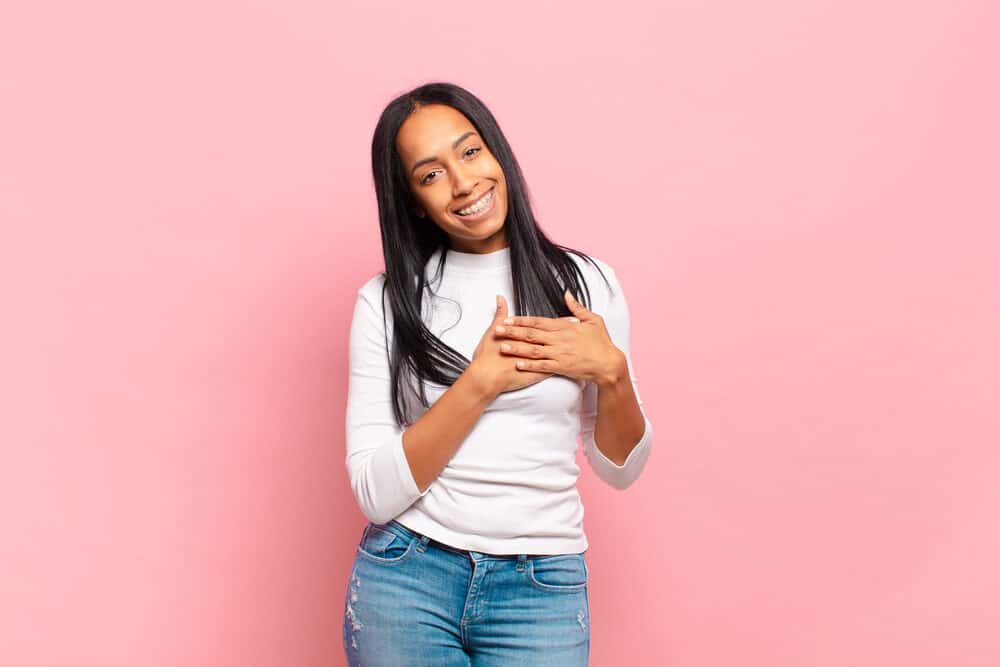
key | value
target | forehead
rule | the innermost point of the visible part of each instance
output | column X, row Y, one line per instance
column 429, row 131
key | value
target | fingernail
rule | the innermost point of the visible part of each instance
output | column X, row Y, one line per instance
column 509, row 320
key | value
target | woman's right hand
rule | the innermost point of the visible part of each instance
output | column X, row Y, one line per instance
column 495, row 369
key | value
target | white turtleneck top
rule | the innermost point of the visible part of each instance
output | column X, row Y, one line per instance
column 510, row 487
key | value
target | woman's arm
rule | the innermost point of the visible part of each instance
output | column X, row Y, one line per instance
column 391, row 467
column 620, row 423
column 617, row 436
column 432, row 440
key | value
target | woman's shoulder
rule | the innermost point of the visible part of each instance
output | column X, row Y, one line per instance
column 372, row 287
column 371, row 296
column 599, row 275
column 588, row 262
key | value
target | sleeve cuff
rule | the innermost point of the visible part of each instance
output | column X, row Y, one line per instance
column 404, row 472
column 635, row 454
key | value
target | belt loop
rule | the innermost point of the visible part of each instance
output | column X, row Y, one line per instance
column 423, row 543
column 521, row 558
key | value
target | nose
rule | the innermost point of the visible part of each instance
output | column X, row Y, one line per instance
column 464, row 183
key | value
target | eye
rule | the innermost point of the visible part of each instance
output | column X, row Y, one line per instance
column 427, row 177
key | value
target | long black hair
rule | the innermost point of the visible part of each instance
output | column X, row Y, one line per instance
column 408, row 241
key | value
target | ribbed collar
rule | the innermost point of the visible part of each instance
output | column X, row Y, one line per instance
column 489, row 263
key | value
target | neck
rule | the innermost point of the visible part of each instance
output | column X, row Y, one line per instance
column 481, row 263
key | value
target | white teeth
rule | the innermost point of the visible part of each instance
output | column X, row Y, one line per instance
column 476, row 208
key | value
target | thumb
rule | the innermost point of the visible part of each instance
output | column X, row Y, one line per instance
column 575, row 306
column 501, row 312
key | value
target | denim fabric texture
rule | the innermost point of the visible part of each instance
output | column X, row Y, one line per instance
column 412, row 601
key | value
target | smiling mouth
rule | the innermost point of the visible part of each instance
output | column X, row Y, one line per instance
column 481, row 204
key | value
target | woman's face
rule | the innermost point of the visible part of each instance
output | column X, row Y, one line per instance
column 449, row 169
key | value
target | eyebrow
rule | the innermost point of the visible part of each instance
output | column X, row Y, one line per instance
column 454, row 145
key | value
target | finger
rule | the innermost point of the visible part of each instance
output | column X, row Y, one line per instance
column 525, row 333
column 501, row 309
column 527, row 351
column 575, row 306
column 542, row 323
column 538, row 365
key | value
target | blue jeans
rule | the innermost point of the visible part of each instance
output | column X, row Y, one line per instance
column 413, row 601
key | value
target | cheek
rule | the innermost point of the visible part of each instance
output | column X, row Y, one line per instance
column 436, row 197
column 502, row 180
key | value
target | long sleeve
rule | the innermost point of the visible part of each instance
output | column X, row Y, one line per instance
column 616, row 319
column 376, row 462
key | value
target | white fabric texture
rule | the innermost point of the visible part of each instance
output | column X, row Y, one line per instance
column 510, row 487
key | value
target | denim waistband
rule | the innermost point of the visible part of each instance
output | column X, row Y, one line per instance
column 407, row 533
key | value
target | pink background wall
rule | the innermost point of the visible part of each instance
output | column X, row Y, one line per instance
column 800, row 199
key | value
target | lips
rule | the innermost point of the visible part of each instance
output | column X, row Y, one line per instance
column 471, row 203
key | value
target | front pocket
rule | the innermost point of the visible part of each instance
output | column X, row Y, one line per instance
column 383, row 546
column 558, row 573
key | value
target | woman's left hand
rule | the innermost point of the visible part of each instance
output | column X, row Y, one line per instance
column 578, row 347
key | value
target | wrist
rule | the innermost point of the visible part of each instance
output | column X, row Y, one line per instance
column 614, row 372
column 479, row 382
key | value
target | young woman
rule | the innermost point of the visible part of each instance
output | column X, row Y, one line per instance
column 477, row 358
